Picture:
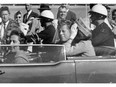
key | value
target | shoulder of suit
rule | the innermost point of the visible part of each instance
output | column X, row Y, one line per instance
column 105, row 28
column 21, row 53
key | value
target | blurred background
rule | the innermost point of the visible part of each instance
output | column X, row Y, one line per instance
column 79, row 9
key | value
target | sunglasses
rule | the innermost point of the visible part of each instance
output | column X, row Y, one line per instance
column 18, row 17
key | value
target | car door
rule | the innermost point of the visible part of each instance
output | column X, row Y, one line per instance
column 96, row 70
column 61, row 72
column 53, row 67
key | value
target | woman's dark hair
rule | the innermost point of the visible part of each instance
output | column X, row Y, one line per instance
column 17, row 13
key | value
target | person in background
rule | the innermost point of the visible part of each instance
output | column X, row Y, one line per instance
column 30, row 18
column 54, row 22
column 87, row 18
column 41, row 9
column 0, row 16
column 68, row 33
column 7, row 25
column 22, row 26
column 29, row 13
column 114, row 15
column 113, row 24
column 65, row 14
column 16, row 54
column 108, row 19
column 47, row 34
column 102, row 34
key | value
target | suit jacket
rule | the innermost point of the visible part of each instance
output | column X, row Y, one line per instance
column 32, row 14
column 102, row 36
column 47, row 34
column 17, row 57
column 11, row 26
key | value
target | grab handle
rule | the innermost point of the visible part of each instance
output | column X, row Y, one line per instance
column 2, row 72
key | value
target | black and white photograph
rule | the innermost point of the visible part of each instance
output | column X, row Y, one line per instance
column 57, row 42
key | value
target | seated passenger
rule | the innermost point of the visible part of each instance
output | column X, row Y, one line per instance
column 102, row 34
column 81, row 48
column 16, row 55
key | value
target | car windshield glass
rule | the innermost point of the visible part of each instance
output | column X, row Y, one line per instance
column 31, row 53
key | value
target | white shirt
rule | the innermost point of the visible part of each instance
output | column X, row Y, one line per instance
column 24, row 28
column 29, row 13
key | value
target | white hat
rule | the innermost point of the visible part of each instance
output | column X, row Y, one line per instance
column 99, row 9
column 47, row 14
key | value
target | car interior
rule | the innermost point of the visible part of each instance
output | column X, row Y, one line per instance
column 40, row 53
column 55, row 53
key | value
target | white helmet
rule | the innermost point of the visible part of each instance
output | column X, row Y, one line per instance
column 100, row 9
column 47, row 14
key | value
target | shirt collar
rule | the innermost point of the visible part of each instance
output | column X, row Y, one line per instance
column 6, row 23
column 29, row 12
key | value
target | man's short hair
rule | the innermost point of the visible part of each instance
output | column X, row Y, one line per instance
column 5, row 9
column 19, row 34
column 68, row 23
column 63, row 6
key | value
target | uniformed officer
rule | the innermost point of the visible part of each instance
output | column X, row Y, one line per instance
column 102, row 34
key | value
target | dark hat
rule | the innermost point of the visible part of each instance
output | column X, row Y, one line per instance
column 44, row 7
column 107, row 7
column 91, row 5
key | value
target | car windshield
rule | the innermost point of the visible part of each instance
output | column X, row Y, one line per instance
column 35, row 53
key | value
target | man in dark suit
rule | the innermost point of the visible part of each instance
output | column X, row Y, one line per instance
column 102, row 34
column 7, row 24
column 29, row 13
column 29, row 17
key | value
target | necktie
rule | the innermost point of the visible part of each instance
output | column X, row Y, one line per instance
column 4, row 30
column 4, row 26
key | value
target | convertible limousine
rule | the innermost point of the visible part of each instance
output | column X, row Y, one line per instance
column 55, row 67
